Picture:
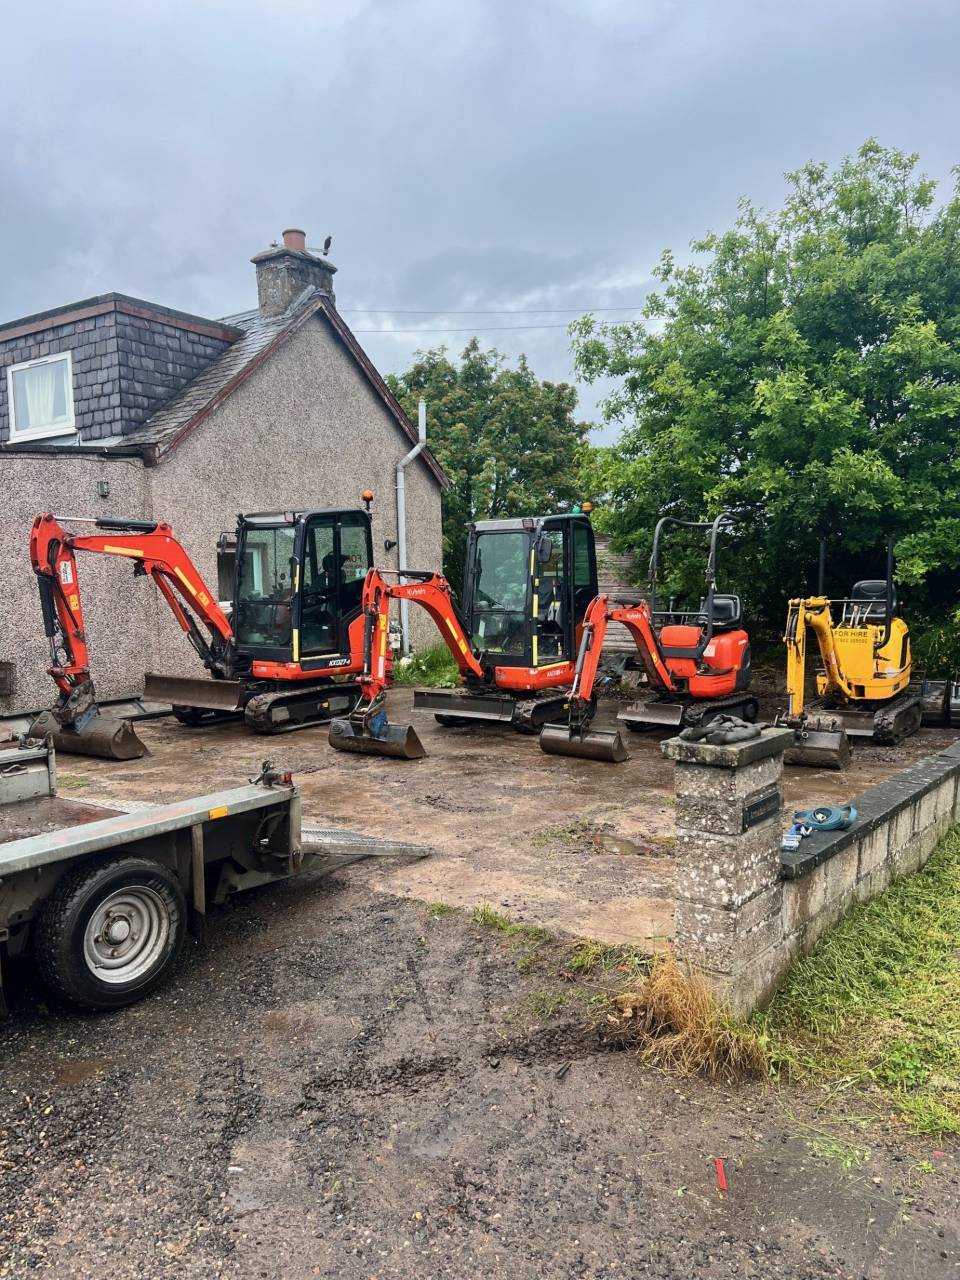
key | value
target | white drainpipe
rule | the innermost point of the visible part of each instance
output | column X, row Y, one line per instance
column 402, row 519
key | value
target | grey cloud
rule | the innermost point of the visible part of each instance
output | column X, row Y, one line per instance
column 477, row 154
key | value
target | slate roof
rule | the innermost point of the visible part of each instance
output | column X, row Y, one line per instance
column 260, row 337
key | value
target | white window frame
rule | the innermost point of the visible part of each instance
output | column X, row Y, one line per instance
column 68, row 428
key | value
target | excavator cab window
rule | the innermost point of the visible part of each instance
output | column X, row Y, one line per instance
column 265, row 574
column 502, row 578
column 336, row 557
column 319, row 590
column 584, row 570
column 552, row 601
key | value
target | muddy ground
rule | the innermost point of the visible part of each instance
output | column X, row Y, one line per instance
column 342, row 1083
column 575, row 845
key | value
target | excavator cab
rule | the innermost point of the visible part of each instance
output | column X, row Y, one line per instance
column 298, row 579
column 297, row 583
column 528, row 583
column 706, row 650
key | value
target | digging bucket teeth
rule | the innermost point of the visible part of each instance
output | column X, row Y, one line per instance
column 104, row 737
column 592, row 744
column 819, row 745
column 397, row 740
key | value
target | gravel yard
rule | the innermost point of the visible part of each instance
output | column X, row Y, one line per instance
column 343, row 1082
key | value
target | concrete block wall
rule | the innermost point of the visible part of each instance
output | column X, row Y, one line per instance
column 745, row 910
column 899, row 824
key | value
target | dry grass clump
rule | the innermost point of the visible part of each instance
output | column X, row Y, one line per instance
column 674, row 1021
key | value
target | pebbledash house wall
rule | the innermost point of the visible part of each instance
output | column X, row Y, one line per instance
column 304, row 429
column 345, row 440
column 115, row 602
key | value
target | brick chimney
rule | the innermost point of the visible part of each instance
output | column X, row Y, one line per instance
column 285, row 270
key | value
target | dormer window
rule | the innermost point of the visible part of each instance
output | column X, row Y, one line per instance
column 40, row 396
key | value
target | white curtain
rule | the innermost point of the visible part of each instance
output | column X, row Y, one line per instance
column 40, row 389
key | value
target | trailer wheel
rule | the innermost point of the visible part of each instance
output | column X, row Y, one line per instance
column 110, row 932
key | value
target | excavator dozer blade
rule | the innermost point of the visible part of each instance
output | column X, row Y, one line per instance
column 182, row 691
column 397, row 740
column 819, row 748
column 105, row 737
column 651, row 714
column 592, row 744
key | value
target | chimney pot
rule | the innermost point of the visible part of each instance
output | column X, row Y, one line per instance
column 294, row 238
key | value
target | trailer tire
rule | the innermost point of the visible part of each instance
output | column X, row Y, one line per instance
column 141, row 901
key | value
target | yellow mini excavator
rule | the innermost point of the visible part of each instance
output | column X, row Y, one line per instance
column 863, row 684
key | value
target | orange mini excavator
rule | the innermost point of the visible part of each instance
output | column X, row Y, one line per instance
column 697, row 665
column 294, row 629
column 528, row 582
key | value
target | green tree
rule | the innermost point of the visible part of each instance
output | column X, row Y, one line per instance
column 507, row 440
column 801, row 370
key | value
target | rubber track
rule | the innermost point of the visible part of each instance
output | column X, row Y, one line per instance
column 257, row 711
column 532, row 714
column 695, row 713
column 893, row 722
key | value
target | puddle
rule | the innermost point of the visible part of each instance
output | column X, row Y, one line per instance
column 620, row 845
column 64, row 1072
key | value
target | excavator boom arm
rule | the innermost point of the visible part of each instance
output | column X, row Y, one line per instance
column 815, row 614
column 432, row 592
column 155, row 551
column 636, row 618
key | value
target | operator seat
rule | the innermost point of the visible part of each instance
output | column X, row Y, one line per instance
column 873, row 593
column 727, row 612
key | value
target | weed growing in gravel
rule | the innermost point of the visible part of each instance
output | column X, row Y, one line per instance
column 588, row 956
column 549, row 835
column 437, row 909
column 545, row 1005
column 492, row 919
column 71, row 782
column 526, row 940
column 828, row 1147
column 878, row 1000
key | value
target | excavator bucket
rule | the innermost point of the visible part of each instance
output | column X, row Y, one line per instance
column 106, row 737
column 820, row 742
column 589, row 744
column 379, row 739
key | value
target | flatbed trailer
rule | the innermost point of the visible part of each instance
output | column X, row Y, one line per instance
column 103, row 900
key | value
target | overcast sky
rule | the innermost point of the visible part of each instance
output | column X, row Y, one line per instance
column 501, row 155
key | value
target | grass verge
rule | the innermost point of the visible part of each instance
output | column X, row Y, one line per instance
column 434, row 667
column 878, row 1000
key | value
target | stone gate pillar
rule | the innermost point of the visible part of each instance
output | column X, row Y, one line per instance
column 729, row 897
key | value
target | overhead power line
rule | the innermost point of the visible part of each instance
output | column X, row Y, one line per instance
column 501, row 311
column 477, row 328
